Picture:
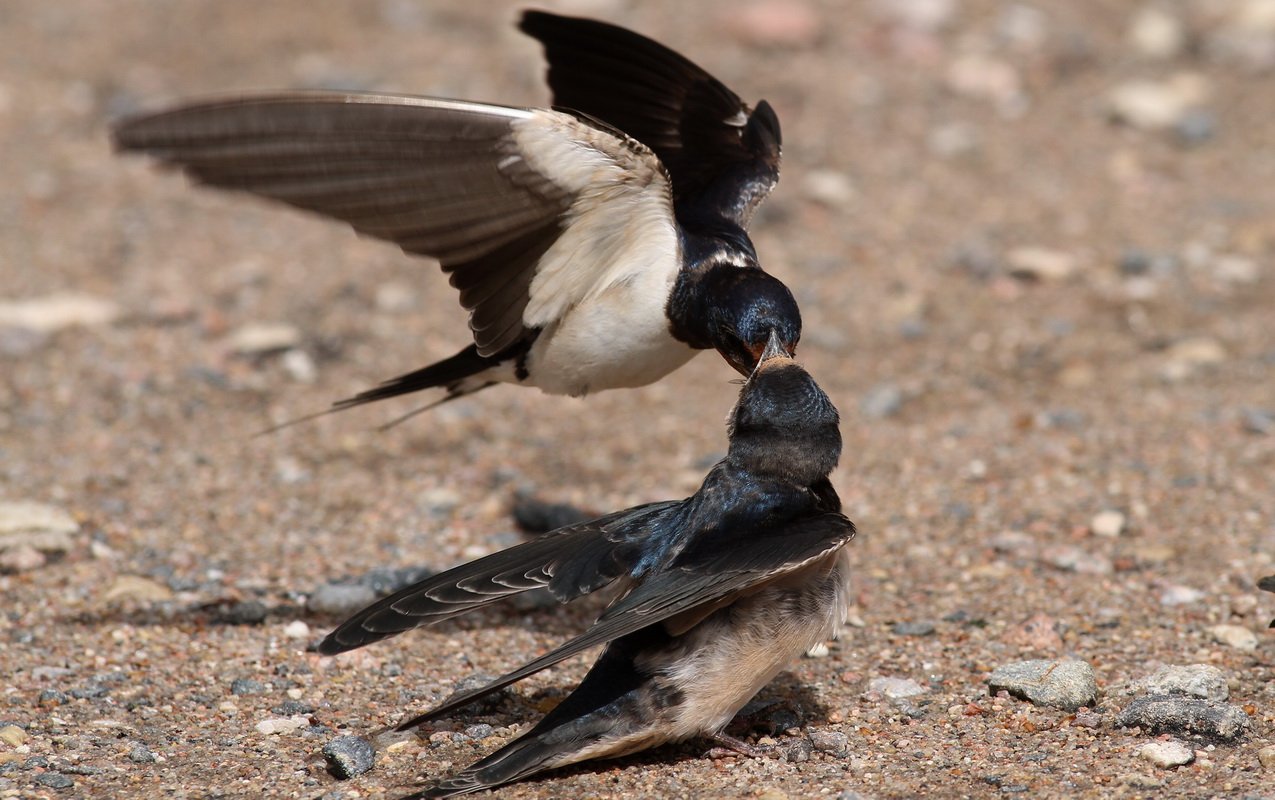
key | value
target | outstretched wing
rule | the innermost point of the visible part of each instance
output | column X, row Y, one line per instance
column 695, row 579
column 571, row 561
column 707, row 138
column 501, row 196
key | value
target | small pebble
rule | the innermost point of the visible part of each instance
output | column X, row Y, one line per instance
column 138, row 589
column 1258, row 421
column 261, row 338
column 340, row 598
column 1066, row 684
column 1156, row 105
column 1109, row 523
column 139, row 754
column 348, row 756
column 1236, row 636
column 799, row 751
column 54, row 780
column 246, row 686
column 1157, row 33
column 1180, row 596
column 296, row 629
column 21, row 558
column 1040, row 264
column 1039, row 632
column 275, row 725
column 1266, row 756
column 1166, row 754
column 533, row 515
column 1077, row 559
column 913, row 628
column 1196, row 127
column 895, row 688
column 245, row 612
column 293, row 707
column 12, row 735
column 480, row 731
column 830, row 741
column 1192, row 680
column 1185, row 715
column 57, row 311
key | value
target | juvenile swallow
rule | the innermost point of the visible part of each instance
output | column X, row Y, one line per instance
column 716, row 593
column 596, row 246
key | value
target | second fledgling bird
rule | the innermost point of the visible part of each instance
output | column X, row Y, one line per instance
column 596, row 246
column 717, row 592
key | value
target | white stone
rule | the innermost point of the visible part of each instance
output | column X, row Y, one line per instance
column 276, row 725
column 1155, row 33
column 895, row 688
column 57, row 311
column 1108, row 523
column 297, row 629
column 1041, row 263
column 1236, row 636
column 263, row 337
column 1166, row 754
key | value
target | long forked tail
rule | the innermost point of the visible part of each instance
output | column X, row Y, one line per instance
column 609, row 714
column 453, row 374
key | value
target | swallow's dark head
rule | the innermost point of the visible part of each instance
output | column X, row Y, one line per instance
column 746, row 307
column 784, row 425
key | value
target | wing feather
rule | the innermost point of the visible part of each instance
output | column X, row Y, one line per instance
column 492, row 192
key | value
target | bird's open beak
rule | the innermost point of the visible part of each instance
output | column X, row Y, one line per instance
column 774, row 348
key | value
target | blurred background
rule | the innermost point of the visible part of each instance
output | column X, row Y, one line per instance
column 1033, row 246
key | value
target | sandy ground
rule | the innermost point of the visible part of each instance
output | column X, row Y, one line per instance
column 1028, row 313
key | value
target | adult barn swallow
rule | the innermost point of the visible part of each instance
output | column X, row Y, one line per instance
column 717, row 592
column 596, row 246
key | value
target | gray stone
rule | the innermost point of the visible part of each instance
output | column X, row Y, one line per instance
column 895, row 688
column 340, row 598
column 246, row 686
column 139, row 754
column 830, row 742
column 1236, row 636
column 54, row 780
column 1066, row 684
column 1192, row 680
column 921, row 628
column 348, row 756
column 1185, row 715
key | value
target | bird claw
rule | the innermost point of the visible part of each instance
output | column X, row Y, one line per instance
column 728, row 746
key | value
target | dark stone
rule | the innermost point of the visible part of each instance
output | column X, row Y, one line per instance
column 348, row 756
column 292, row 708
column 920, row 628
column 535, row 516
column 1186, row 715
column 246, row 686
column 54, row 780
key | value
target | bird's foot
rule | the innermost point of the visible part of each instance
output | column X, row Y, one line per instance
column 727, row 746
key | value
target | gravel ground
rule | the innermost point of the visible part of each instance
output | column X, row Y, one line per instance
column 1033, row 243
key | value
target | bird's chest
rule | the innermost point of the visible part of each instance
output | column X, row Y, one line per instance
column 616, row 339
column 731, row 655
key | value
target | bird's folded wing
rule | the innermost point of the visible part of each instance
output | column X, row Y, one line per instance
column 705, row 136
column 755, row 560
column 487, row 190
column 571, row 561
